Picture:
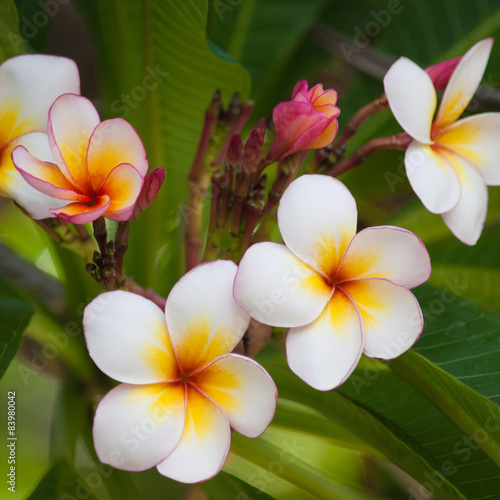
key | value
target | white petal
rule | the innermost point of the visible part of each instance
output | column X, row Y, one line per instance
column 317, row 219
column 29, row 84
column 392, row 320
column 466, row 220
column 325, row 352
column 127, row 338
column 243, row 390
column 204, row 445
column 387, row 252
column 204, row 320
column 432, row 177
column 412, row 98
column 278, row 289
column 14, row 186
column 137, row 426
column 463, row 83
column 72, row 119
column 476, row 138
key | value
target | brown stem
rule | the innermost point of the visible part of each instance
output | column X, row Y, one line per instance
column 148, row 293
column 82, row 232
column 193, row 239
column 121, row 246
column 359, row 118
column 100, row 234
column 400, row 141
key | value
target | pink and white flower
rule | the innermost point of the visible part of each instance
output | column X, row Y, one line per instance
column 308, row 121
column 29, row 84
column 100, row 166
column 181, row 389
column 339, row 292
column 450, row 161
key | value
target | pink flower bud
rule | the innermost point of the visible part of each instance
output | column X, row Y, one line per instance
column 234, row 151
column 440, row 73
column 152, row 184
column 253, row 150
column 308, row 121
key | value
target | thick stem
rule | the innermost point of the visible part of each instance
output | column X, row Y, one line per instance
column 100, row 234
column 359, row 118
column 121, row 246
column 400, row 142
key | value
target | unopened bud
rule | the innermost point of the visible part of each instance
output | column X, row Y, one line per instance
column 441, row 73
column 253, row 151
column 152, row 184
column 234, row 151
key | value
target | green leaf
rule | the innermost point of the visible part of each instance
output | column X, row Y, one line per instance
column 160, row 74
column 11, row 42
column 436, row 413
column 225, row 486
column 263, row 35
column 62, row 482
column 15, row 315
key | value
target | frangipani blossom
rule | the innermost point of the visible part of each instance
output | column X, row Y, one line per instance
column 341, row 293
column 182, row 389
column 450, row 162
column 100, row 166
column 308, row 121
column 29, row 84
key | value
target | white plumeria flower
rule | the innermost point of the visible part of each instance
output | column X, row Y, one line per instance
column 181, row 388
column 450, row 162
column 29, row 84
column 341, row 293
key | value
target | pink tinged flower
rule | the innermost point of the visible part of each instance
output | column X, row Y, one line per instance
column 450, row 161
column 181, row 389
column 100, row 166
column 29, row 84
column 339, row 292
column 308, row 121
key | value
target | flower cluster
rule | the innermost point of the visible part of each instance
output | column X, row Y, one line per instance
column 339, row 292
column 450, row 161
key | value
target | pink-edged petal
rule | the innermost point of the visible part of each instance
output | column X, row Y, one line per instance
column 291, row 119
column 80, row 213
column 387, row 252
column 278, row 289
column 204, row 320
column 300, row 92
column 72, row 119
column 412, row 98
column 466, row 219
column 325, row 352
column 123, row 186
column 476, row 138
column 29, row 84
column 128, row 340
column 432, row 177
column 243, row 390
column 114, row 142
column 45, row 177
column 392, row 319
column 317, row 219
column 463, row 83
column 318, row 135
column 12, row 184
column 137, row 426
column 204, row 445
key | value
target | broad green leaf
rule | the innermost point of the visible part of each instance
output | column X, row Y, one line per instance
column 263, row 36
column 437, row 421
column 225, row 486
column 62, row 482
column 11, row 42
column 160, row 74
column 15, row 315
